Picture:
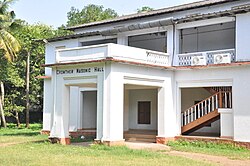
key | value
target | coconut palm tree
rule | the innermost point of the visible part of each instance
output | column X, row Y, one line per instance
column 9, row 46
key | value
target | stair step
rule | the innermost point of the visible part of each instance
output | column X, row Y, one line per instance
column 140, row 135
column 141, row 139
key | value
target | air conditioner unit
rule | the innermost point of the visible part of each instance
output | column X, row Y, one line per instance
column 198, row 60
column 222, row 58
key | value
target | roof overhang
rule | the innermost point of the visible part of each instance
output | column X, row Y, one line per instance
column 173, row 9
column 112, row 31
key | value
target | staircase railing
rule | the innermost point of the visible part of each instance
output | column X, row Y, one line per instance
column 222, row 99
column 222, row 88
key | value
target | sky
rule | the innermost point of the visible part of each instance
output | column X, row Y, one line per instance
column 54, row 12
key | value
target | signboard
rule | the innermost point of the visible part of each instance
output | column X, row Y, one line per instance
column 81, row 70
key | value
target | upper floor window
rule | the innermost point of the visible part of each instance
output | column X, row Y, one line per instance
column 60, row 47
column 96, row 42
column 207, row 38
column 153, row 41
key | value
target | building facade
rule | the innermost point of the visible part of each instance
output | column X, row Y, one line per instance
column 152, row 76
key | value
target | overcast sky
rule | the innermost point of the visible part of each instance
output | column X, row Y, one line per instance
column 54, row 12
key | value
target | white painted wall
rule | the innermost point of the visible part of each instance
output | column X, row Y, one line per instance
column 214, row 129
column 74, row 103
column 89, row 112
column 163, row 80
column 47, row 104
column 242, row 37
column 236, row 76
column 142, row 95
column 190, row 95
column 126, row 110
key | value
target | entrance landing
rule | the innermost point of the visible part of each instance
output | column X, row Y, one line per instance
column 140, row 136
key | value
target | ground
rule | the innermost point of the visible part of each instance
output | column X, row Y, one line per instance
column 28, row 147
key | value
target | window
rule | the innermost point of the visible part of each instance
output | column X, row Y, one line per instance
column 152, row 41
column 96, row 42
column 208, row 38
column 60, row 47
column 144, row 108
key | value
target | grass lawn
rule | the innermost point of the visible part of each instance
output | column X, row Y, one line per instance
column 44, row 153
column 15, row 135
column 228, row 150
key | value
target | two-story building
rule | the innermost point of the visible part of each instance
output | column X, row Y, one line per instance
column 182, row 70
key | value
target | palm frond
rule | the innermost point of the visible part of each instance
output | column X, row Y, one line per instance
column 9, row 45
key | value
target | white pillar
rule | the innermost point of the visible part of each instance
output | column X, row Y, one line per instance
column 166, row 114
column 126, row 111
column 65, row 113
column 74, row 108
column 226, row 122
column 113, row 107
column 99, row 125
column 60, row 127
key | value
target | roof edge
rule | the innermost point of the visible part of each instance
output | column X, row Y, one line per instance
column 177, row 8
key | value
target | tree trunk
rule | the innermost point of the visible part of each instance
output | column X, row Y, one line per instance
column 17, row 120
column 1, row 105
column 27, row 90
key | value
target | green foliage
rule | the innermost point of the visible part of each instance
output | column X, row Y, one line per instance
column 202, row 144
column 8, row 44
column 89, row 13
column 144, row 9
column 22, row 131
column 14, row 74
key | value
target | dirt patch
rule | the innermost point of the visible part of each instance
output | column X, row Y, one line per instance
column 219, row 160
column 147, row 146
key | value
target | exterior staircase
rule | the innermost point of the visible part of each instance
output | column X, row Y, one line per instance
column 206, row 111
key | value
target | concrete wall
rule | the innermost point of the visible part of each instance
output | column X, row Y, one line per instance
column 213, row 130
column 159, row 79
column 242, row 37
column 89, row 109
column 126, row 111
column 190, row 95
column 47, row 104
column 142, row 95
column 238, row 78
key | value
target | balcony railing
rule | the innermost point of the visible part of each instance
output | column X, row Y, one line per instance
column 119, row 52
column 186, row 59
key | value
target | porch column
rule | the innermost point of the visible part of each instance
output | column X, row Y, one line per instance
column 113, row 108
column 74, row 108
column 99, row 126
column 60, row 128
column 166, row 114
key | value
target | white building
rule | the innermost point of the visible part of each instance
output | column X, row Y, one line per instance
column 183, row 70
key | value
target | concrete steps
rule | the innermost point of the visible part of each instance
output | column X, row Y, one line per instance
column 132, row 137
